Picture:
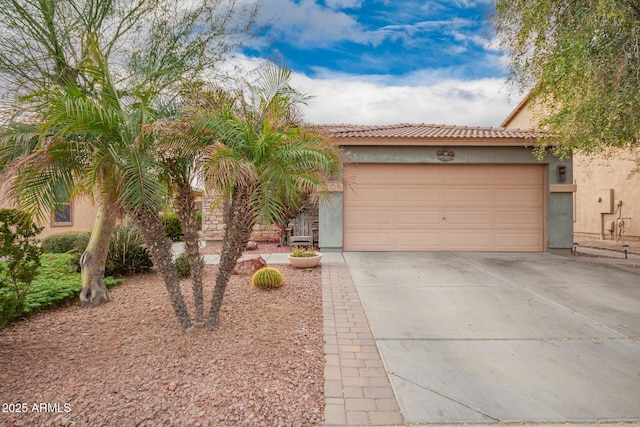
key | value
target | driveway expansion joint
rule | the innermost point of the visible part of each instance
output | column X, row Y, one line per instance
column 444, row 396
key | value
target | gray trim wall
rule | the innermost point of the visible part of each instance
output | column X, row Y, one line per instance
column 559, row 205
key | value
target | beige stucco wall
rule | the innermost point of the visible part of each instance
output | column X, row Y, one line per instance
column 592, row 175
column 83, row 216
column 595, row 174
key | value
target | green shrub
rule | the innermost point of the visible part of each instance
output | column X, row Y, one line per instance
column 127, row 254
column 61, row 243
column 199, row 220
column 182, row 266
column 19, row 261
column 267, row 277
column 172, row 226
column 9, row 307
column 57, row 282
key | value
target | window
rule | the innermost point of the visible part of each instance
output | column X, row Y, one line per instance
column 63, row 213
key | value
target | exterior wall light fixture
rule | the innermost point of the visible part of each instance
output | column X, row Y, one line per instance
column 562, row 173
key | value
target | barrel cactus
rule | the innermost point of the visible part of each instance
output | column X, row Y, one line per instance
column 267, row 277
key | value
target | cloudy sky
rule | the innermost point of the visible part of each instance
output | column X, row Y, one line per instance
column 389, row 61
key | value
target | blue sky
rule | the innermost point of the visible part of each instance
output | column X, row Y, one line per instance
column 383, row 61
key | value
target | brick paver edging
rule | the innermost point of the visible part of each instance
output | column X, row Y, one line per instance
column 356, row 387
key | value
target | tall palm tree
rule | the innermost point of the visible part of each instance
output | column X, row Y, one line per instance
column 72, row 114
column 180, row 166
column 262, row 157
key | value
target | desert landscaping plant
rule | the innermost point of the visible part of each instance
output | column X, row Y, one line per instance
column 183, row 268
column 68, row 241
column 81, row 81
column 267, row 277
column 172, row 226
column 301, row 252
column 127, row 253
column 19, row 261
column 261, row 155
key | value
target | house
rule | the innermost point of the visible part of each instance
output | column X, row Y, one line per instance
column 424, row 187
column 77, row 215
column 607, row 201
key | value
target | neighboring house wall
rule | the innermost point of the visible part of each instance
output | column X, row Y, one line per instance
column 83, row 215
column 78, row 216
column 601, row 181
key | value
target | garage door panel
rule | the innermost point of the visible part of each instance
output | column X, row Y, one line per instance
column 469, row 175
column 367, row 241
column 520, row 174
column 369, row 174
column 418, row 195
column 531, row 218
column 518, row 196
column 465, row 196
column 429, row 207
column 469, row 241
column 413, row 219
column 410, row 174
column 517, row 241
column 472, row 218
column 371, row 196
column 362, row 218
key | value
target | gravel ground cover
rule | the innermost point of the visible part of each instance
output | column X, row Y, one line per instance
column 127, row 363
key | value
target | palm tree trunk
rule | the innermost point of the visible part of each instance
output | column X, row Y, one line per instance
column 185, row 204
column 92, row 262
column 159, row 246
column 239, row 221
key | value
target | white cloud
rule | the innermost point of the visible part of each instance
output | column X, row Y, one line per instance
column 344, row 4
column 359, row 101
column 422, row 97
column 307, row 22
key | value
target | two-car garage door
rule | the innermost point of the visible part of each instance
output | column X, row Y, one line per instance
column 423, row 207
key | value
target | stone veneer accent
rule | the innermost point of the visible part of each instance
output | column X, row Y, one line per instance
column 213, row 221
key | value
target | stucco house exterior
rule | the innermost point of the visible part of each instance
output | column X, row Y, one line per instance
column 607, row 200
column 78, row 215
column 422, row 187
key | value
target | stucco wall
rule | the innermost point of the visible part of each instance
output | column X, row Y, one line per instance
column 595, row 174
column 592, row 175
column 559, row 203
column 83, row 217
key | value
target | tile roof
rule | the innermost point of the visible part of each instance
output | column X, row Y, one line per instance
column 426, row 131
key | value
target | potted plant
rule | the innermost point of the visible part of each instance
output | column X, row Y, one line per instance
column 304, row 257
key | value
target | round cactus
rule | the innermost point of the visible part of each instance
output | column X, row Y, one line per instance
column 267, row 277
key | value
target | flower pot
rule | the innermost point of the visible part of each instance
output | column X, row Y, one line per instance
column 304, row 262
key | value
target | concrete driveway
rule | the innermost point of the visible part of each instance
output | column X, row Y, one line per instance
column 481, row 338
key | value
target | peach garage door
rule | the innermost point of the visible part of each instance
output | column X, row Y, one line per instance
column 397, row 207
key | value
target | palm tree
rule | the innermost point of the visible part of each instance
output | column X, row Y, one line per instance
column 71, row 122
column 92, row 141
column 180, row 167
column 261, row 158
